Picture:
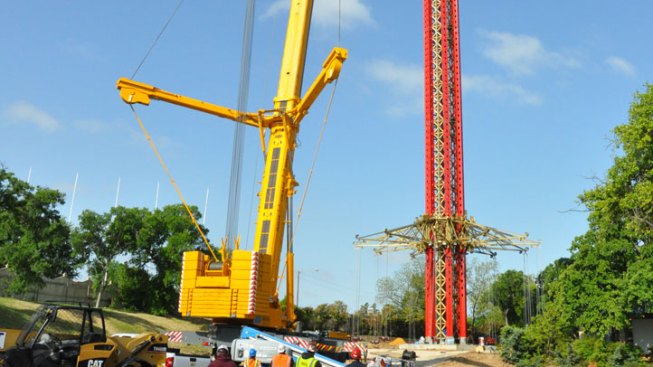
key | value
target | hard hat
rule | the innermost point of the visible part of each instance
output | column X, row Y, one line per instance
column 252, row 353
column 356, row 353
column 223, row 347
column 281, row 348
column 311, row 348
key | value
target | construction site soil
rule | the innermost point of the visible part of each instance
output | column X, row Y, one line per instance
column 450, row 358
column 474, row 359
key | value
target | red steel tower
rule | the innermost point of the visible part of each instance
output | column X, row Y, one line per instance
column 444, row 232
column 445, row 314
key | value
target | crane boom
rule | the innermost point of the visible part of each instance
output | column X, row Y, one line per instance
column 241, row 287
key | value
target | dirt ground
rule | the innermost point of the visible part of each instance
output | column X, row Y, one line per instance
column 453, row 358
column 474, row 359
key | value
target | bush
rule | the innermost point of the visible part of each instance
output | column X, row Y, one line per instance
column 606, row 354
column 591, row 349
column 625, row 355
column 532, row 361
column 569, row 358
column 514, row 347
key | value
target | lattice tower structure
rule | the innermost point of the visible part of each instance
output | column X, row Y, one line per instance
column 444, row 233
column 445, row 265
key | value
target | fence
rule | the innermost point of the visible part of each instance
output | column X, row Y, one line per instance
column 61, row 289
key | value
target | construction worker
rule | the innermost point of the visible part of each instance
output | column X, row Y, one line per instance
column 252, row 361
column 356, row 356
column 222, row 358
column 307, row 359
column 282, row 359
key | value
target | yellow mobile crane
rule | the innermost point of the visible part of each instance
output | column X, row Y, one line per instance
column 240, row 287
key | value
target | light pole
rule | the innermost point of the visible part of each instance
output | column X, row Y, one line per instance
column 299, row 273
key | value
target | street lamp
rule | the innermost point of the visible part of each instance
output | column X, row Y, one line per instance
column 299, row 273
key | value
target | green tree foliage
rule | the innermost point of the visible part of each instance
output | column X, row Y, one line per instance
column 610, row 276
column 34, row 238
column 324, row 317
column 101, row 238
column 508, row 292
column 513, row 344
column 362, row 320
column 589, row 292
column 152, row 245
column 480, row 276
column 161, row 242
column 548, row 276
column 132, row 288
column 404, row 291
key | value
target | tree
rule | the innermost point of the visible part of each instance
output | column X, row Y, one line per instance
column 361, row 321
column 101, row 238
column 163, row 238
column 480, row 276
column 34, row 238
column 401, row 298
column 589, row 292
column 548, row 276
column 508, row 292
column 610, row 276
column 405, row 291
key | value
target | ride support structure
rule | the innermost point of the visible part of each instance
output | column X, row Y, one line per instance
column 444, row 233
column 444, row 195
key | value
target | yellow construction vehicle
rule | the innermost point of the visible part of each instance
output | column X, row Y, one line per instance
column 240, row 286
column 75, row 336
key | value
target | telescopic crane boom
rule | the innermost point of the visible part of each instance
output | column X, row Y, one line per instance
column 241, row 287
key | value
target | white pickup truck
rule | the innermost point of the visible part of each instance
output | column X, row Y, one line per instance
column 175, row 359
column 265, row 350
column 264, row 343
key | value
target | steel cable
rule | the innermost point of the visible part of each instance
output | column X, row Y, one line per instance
column 156, row 40
column 233, row 204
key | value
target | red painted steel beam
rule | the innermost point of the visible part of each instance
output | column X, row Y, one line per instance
column 447, row 171
column 429, row 185
column 460, row 257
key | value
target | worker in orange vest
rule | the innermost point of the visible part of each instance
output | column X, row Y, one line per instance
column 252, row 361
column 282, row 359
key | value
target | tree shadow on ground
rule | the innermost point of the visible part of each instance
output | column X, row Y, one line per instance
column 14, row 318
column 468, row 362
column 137, row 323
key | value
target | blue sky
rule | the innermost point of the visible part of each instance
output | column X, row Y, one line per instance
column 544, row 83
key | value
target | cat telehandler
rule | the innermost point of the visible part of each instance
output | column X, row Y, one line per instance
column 75, row 336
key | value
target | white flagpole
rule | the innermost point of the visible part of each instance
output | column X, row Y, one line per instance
column 117, row 193
column 206, row 205
column 156, row 198
column 72, row 201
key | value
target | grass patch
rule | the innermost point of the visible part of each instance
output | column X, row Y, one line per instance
column 15, row 313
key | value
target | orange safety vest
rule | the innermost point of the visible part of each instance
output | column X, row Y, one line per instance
column 281, row 360
column 252, row 362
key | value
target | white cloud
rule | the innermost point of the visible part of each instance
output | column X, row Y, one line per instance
column 496, row 88
column 406, row 79
column 277, row 7
column 404, row 83
column 328, row 13
column 522, row 54
column 620, row 65
column 26, row 113
column 91, row 126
